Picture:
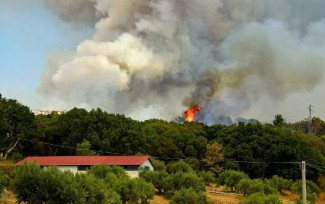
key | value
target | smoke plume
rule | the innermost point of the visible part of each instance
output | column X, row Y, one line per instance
column 156, row 58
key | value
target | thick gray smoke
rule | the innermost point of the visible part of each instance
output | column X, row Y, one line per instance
column 155, row 58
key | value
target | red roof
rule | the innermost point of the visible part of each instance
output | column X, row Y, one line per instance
column 86, row 160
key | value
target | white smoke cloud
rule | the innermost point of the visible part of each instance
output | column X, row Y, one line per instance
column 154, row 58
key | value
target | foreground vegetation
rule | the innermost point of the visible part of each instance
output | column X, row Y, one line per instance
column 177, row 182
column 207, row 150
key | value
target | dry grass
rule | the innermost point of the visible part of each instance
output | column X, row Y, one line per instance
column 7, row 197
column 7, row 166
column 288, row 197
column 224, row 198
column 321, row 198
column 159, row 200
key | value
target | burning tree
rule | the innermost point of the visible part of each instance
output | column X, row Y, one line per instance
column 189, row 114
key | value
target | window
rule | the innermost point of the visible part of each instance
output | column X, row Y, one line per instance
column 131, row 168
column 83, row 168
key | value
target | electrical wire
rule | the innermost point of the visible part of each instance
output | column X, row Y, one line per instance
column 156, row 157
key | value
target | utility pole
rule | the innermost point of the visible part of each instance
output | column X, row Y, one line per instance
column 310, row 121
column 304, row 191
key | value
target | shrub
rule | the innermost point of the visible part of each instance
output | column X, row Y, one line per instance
column 312, row 190
column 157, row 164
column 188, row 196
column 311, row 198
column 4, row 179
column 280, row 183
column 231, row 178
column 207, row 176
column 194, row 163
column 311, row 187
column 133, row 190
column 185, row 180
column 141, row 191
column 35, row 185
column 96, row 191
column 101, row 171
column 157, row 178
column 249, row 187
column 179, row 166
column 260, row 198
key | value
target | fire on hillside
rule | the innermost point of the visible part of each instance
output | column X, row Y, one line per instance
column 189, row 114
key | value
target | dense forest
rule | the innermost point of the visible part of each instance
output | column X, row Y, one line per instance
column 82, row 132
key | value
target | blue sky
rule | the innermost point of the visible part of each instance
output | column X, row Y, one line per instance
column 29, row 32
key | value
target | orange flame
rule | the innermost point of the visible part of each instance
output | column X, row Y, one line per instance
column 189, row 114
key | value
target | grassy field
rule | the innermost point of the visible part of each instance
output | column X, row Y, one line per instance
column 216, row 197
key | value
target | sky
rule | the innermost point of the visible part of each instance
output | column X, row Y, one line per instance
column 29, row 33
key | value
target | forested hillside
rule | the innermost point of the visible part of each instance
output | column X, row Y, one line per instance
column 85, row 132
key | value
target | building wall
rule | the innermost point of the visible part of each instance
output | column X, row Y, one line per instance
column 73, row 169
column 147, row 164
column 132, row 174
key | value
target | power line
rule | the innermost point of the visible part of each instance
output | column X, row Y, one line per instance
column 315, row 167
column 165, row 158
column 320, row 168
column 310, row 125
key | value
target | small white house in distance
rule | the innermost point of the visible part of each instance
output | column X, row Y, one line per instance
column 76, row 164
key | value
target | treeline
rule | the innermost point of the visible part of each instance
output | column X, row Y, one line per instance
column 82, row 132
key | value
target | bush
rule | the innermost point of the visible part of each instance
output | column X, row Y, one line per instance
column 188, row 196
column 260, row 198
column 133, row 190
column 102, row 185
column 141, row 191
column 157, row 164
column 176, row 182
column 311, row 198
column 207, row 176
column 157, row 178
column 311, row 187
column 280, row 183
column 194, row 163
column 101, row 171
column 249, row 187
column 4, row 179
column 231, row 178
column 96, row 191
column 180, row 166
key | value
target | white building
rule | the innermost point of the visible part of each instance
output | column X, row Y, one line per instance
column 76, row 164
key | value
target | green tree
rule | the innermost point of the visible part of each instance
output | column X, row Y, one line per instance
column 141, row 191
column 157, row 178
column 188, row 196
column 96, row 190
column 278, row 120
column 179, row 166
column 84, row 148
column 16, row 123
column 207, row 176
column 260, row 198
column 179, row 180
column 279, row 183
column 249, row 187
column 231, row 178
column 157, row 164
